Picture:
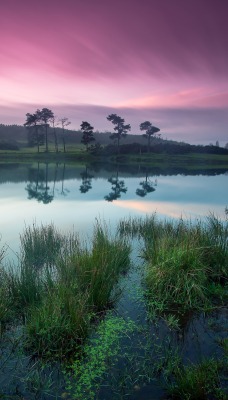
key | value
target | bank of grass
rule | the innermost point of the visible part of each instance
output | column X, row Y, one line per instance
column 200, row 381
column 186, row 262
column 61, row 286
column 77, row 152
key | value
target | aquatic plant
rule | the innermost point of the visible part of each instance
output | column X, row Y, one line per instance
column 87, row 371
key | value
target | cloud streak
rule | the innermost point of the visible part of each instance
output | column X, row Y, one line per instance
column 127, row 54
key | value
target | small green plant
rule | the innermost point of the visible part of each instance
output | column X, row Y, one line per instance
column 99, row 354
column 172, row 321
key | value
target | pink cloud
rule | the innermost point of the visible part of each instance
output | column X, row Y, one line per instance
column 142, row 57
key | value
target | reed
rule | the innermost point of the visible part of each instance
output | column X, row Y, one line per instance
column 183, row 259
column 60, row 300
column 97, row 270
column 59, row 324
column 41, row 245
column 197, row 382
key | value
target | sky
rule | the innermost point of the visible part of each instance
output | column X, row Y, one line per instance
column 165, row 61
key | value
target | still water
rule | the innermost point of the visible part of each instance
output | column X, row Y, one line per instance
column 73, row 196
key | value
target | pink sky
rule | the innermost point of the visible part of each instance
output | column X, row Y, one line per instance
column 162, row 60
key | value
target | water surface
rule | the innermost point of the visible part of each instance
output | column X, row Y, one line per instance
column 73, row 196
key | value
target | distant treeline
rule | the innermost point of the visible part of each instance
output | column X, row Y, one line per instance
column 13, row 137
column 159, row 146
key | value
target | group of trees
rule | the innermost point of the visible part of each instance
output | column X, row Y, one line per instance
column 39, row 122
column 120, row 131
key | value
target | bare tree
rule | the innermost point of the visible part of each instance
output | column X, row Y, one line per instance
column 64, row 122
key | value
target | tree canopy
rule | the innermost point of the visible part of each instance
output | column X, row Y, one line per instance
column 119, row 127
column 87, row 133
column 150, row 131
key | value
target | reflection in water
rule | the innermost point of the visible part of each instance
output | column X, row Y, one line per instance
column 55, row 191
column 63, row 190
column 147, row 186
column 86, row 181
column 39, row 189
column 118, row 187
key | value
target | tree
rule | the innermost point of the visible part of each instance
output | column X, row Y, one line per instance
column 87, row 133
column 53, row 121
column 36, row 137
column 45, row 115
column 150, row 130
column 226, row 146
column 64, row 122
column 120, row 129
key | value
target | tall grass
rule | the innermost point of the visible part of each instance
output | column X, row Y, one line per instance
column 197, row 382
column 62, row 282
column 40, row 245
column 183, row 259
column 5, row 310
column 97, row 270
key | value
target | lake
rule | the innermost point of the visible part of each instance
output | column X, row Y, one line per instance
column 73, row 196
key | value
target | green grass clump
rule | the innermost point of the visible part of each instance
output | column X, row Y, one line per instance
column 5, row 303
column 183, row 260
column 197, row 382
column 97, row 270
column 41, row 245
column 178, row 277
column 59, row 324
column 58, row 294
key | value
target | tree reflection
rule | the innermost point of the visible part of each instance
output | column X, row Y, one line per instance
column 118, row 187
column 147, row 186
column 39, row 189
column 86, row 181
column 63, row 190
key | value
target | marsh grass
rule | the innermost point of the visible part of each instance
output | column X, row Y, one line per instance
column 184, row 259
column 41, row 245
column 5, row 303
column 97, row 270
column 62, row 283
column 58, row 324
column 197, row 382
column 5, row 309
